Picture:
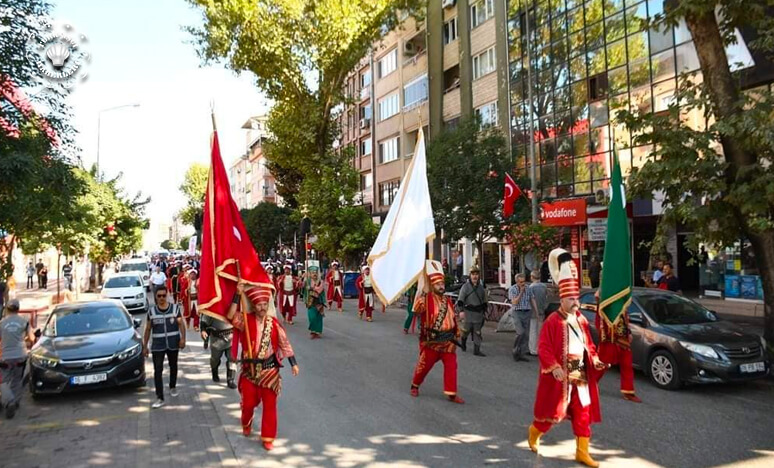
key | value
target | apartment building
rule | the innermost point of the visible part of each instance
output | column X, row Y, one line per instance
column 251, row 180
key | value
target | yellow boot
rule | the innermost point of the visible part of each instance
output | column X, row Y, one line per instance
column 582, row 452
column 534, row 438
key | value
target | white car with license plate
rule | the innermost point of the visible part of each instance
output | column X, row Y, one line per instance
column 128, row 288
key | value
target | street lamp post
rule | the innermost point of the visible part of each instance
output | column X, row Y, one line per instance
column 99, row 127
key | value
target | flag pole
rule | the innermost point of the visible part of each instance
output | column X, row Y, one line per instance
column 422, row 131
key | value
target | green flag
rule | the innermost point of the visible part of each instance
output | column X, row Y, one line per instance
column 615, row 292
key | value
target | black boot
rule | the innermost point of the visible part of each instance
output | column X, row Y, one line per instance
column 230, row 375
column 477, row 351
column 215, row 376
column 464, row 342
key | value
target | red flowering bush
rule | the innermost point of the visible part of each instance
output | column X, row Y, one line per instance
column 529, row 237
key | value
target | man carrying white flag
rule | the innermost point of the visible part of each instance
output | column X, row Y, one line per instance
column 398, row 255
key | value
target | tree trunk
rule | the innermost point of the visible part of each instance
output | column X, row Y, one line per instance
column 726, row 100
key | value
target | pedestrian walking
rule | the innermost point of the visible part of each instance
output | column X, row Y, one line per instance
column 67, row 272
column 158, row 278
column 15, row 338
column 595, row 270
column 439, row 333
column 31, row 271
column 458, row 266
column 39, row 266
column 218, row 335
column 314, row 298
column 166, row 329
column 44, row 277
column 521, row 314
column 335, row 290
column 473, row 300
column 538, row 300
column 366, row 296
column 264, row 345
column 567, row 383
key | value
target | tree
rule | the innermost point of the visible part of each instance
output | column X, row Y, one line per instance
column 266, row 224
column 717, row 179
column 184, row 242
column 168, row 244
column 466, row 169
column 306, row 82
column 194, row 187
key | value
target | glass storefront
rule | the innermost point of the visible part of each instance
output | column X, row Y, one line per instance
column 730, row 272
column 587, row 60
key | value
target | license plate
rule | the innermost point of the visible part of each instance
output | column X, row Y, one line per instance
column 752, row 367
column 88, row 379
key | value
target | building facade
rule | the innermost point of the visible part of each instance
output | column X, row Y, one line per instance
column 251, row 181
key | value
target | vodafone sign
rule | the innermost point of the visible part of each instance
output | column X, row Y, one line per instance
column 563, row 212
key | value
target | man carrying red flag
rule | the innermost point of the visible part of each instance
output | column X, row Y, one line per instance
column 567, row 386
column 287, row 292
column 335, row 280
column 438, row 335
column 365, row 299
column 264, row 345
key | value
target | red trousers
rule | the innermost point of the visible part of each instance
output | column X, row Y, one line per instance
column 192, row 316
column 288, row 311
column 611, row 353
column 336, row 297
column 368, row 310
column 427, row 359
column 580, row 417
column 252, row 396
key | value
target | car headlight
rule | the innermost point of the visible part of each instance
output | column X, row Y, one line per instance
column 701, row 350
column 139, row 296
column 41, row 360
column 129, row 353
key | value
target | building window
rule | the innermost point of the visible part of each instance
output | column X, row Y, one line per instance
column 388, row 191
column 415, row 92
column 389, row 150
column 388, row 106
column 488, row 114
column 481, row 11
column 366, row 180
column 365, row 112
column 365, row 79
column 484, row 63
column 450, row 31
column 388, row 63
column 365, row 147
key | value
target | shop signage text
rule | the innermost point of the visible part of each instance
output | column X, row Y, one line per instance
column 564, row 212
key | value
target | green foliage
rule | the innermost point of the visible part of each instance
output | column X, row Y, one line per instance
column 184, row 243
column 194, row 187
column 266, row 223
column 537, row 238
column 466, row 170
column 168, row 244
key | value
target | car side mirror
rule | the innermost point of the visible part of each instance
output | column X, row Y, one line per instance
column 38, row 333
column 137, row 322
column 714, row 314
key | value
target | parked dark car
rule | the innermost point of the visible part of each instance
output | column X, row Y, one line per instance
column 676, row 340
column 87, row 345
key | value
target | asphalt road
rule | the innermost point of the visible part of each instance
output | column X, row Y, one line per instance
column 351, row 408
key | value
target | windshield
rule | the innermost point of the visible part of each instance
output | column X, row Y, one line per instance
column 671, row 309
column 87, row 321
column 134, row 267
column 123, row 282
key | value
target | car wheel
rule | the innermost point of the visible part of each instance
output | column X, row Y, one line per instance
column 663, row 372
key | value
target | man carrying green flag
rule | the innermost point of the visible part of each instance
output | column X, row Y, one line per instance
column 615, row 292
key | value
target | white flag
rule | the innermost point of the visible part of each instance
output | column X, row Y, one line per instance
column 192, row 245
column 398, row 255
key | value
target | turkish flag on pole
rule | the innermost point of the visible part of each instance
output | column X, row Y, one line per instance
column 512, row 193
column 224, row 242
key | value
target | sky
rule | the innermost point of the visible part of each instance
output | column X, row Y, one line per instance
column 140, row 54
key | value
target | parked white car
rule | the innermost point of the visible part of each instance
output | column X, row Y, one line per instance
column 128, row 288
column 140, row 266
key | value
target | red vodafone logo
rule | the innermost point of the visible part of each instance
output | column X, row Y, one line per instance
column 563, row 212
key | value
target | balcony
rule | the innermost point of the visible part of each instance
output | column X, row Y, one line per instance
column 365, row 92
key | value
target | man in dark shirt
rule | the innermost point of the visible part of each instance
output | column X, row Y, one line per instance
column 668, row 281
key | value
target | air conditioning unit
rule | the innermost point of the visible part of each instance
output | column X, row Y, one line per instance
column 409, row 48
column 364, row 123
column 448, row 3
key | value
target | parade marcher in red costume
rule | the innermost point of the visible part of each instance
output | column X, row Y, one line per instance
column 264, row 345
column 439, row 334
column 183, row 283
column 366, row 296
column 287, row 294
column 567, row 386
column 335, row 290
column 615, row 348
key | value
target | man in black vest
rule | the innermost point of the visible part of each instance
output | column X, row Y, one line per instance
column 218, row 334
column 165, row 325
